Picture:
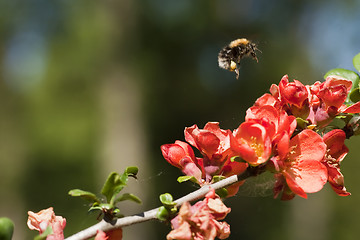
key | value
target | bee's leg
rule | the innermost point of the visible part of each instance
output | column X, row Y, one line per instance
column 237, row 73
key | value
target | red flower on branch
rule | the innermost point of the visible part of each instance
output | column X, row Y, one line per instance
column 278, row 120
column 181, row 155
column 336, row 152
column 212, row 142
column 252, row 142
column 200, row 221
column 327, row 100
column 301, row 167
column 333, row 92
column 292, row 93
column 110, row 235
column 41, row 220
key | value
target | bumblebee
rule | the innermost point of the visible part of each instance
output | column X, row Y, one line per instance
column 229, row 57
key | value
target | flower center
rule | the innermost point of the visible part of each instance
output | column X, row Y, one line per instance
column 258, row 148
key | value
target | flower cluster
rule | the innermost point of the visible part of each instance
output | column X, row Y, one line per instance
column 284, row 132
column 200, row 221
column 215, row 146
column 287, row 132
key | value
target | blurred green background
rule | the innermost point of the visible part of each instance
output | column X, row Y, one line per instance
column 90, row 87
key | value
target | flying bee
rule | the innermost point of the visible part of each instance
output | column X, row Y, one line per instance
column 229, row 57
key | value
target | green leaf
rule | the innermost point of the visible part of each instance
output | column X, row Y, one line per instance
column 222, row 192
column 217, row 178
column 347, row 74
column 6, row 228
column 186, row 178
column 44, row 235
column 89, row 196
column 113, row 185
column 132, row 171
column 302, row 123
column 237, row 159
column 167, row 200
column 95, row 208
column 355, row 95
column 162, row 214
column 128, row 196
column 356, row 62
column 102, row 207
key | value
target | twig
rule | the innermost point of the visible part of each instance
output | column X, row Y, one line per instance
column 151, row 214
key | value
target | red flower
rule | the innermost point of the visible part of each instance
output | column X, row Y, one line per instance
column 110, row 235
column 200, row 221
column 279, row 121
column 293, row 93
column 336, row 152
column 333, row 92
column 264, row 126
column 252, row 142
column 301, row 166
column 41, row 220
column 181, row 155
column 212, row 142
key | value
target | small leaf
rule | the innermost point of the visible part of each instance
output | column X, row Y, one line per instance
column 222, row 192
column 104, row 207
column 95, row 207
column 347, row 74
column 237, row 159
column 128, row 196
column 356, row 62
column 6, row 228
column 113, row 185
column 355, row 95
column 186, row 178
column 162, row 214
column 338, row 122
column 167, row 200
column 44, row 235
column 89, row 196
column 302, row 123
column 132, row 171
column 217, row 178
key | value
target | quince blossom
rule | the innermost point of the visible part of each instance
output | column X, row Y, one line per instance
column 278, row 119
column 212, row 142
column 330, row 98
column 200, row 221
column 301, row 167
column 292, row 93
column 336, row 152
column 181, row 155
column 41, row 220
column 252, row 142
column 110, row 235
